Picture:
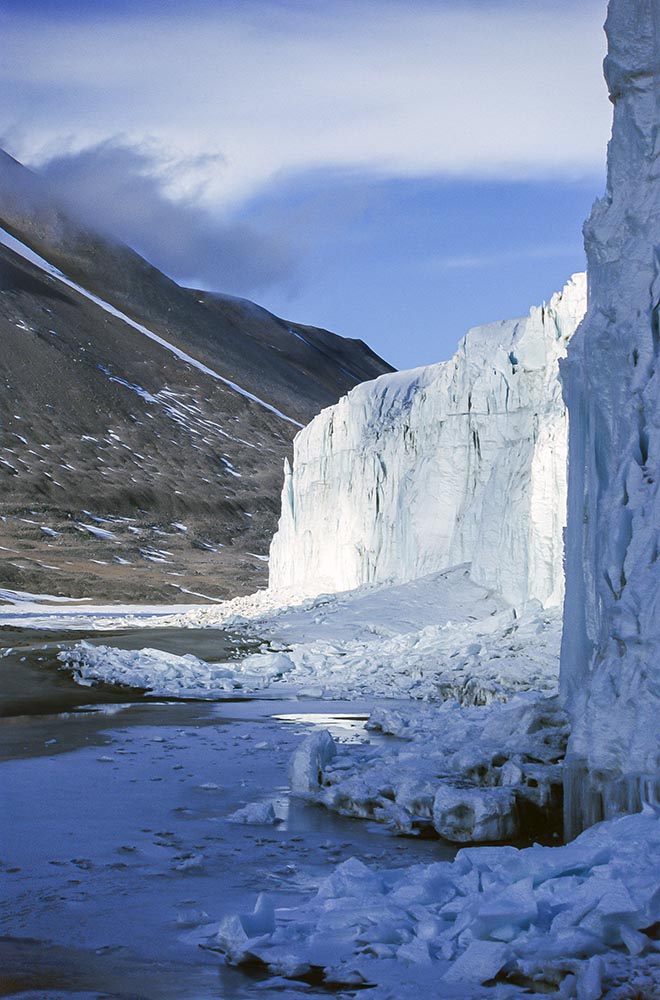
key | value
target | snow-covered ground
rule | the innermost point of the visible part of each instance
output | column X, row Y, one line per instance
column 436, row 638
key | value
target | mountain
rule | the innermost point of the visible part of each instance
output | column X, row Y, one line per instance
column 459, row 462
column 610, row 669
column 143, row 425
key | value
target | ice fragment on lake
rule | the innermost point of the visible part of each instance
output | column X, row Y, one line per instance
column 309, row 760
column 255, row 814
column 236, row 932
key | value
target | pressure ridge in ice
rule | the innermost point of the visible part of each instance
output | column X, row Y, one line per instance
column 459, row 462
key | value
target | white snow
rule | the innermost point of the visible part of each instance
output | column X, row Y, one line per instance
column 458, row 462
column 34, row 611
column 611, row 650
column 433, row 639
column 94, row 529
column 24, row 251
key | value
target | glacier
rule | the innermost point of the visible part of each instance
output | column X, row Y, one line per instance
column 458, row 462
column 610, row 674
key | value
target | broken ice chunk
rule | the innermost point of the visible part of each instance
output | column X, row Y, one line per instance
column 308, row 762
column 237, row 931
column 254, row 814
column 480, row 961
column 474, row 814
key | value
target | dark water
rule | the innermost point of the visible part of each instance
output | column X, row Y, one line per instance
column 105, row 792
column 33, row 683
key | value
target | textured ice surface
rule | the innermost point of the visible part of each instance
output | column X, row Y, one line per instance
column 611, row 649
column 578, row 921
column 459, row 462
column 474, row 774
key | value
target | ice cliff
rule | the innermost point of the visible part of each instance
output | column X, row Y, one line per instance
column 459, row 462
column 611, row 648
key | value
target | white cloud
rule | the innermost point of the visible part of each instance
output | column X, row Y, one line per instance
column 474, row 262
column 509, row 90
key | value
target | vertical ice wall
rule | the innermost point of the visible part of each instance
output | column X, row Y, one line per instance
column 610, row 669
column 462, row 461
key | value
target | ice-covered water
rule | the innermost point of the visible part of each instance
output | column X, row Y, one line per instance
column 121, row 858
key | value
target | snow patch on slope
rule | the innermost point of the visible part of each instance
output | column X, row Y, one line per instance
column 462, row 461
column 24, row 251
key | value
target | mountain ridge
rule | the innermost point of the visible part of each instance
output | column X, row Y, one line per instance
column 132, row 400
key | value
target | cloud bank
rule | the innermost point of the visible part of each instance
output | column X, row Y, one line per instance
column 406, row 89
column 123, row 190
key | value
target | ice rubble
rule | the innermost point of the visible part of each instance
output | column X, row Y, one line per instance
column 443, row 641
column 167, row 674
column 611, row 648
column 433, row 639
column 578, row 921
column 458, row 462
column 480, row 774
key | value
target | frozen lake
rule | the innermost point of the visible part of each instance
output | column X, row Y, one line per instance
column 117, row 856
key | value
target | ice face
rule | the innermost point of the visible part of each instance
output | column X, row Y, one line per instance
column 611, row 646
column 459, row 462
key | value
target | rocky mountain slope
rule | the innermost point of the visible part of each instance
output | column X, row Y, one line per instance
column 459, row 462
column 142, row 425
column 611, row 648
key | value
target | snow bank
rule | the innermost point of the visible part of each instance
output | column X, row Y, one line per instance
column 581, row 920
column 611, row 649
column 459, row 462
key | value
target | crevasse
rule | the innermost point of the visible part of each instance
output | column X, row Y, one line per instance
column 610, row 665
column 459, row 462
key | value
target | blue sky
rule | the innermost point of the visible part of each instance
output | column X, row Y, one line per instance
column 396, row 170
